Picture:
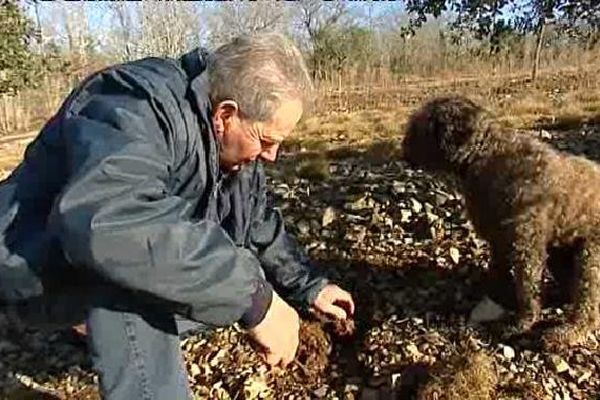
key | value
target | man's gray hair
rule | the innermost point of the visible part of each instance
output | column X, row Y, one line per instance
column 259, row 71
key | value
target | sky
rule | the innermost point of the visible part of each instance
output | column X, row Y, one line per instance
column 99, row 19
column 97, row 15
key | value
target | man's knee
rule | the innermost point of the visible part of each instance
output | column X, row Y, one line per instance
column 136, row 354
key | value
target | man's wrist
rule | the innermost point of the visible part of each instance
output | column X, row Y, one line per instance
column 313, row 292
column 261, row 302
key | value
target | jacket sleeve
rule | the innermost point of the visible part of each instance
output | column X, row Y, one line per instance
column 117, row 216
column 285, row 263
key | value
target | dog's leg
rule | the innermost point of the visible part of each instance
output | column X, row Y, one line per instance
column 499, row 283
column 528, row 256
column 585, row 316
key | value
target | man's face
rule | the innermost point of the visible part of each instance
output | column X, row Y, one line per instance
column 243, row 141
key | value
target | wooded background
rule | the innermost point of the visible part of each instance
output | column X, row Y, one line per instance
column 363, row 46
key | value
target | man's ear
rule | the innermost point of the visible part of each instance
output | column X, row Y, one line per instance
column 223, row 114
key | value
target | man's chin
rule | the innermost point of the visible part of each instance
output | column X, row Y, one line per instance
column 230, row 167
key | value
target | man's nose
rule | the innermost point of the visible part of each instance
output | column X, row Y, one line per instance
column 270, row 154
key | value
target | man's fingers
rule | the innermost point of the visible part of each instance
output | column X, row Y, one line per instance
column 292, row 353
column 285, row 361
column 346, row 301
column 335, row 311
column 278, row 360
column 272, row 359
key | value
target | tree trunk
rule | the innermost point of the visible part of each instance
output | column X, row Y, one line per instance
column 593, row 39
column 38, row 21
column 538, row 49
column 340, row 108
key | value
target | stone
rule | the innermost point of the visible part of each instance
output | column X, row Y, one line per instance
column 544, row 134
column 416, row 206
column 405, row 215
column 328, row 216
column 322, row 391
column 303, row 227
column 487, row 310
column 558, row 363
column 454, row 255
column 508, row 352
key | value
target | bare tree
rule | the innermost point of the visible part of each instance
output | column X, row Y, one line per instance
column 76, row 28
column 35, row 5
column 232, row 19
column 168, row 28
column 64, row 24
column 315, row 16
column 317, row 22
column 125, row 30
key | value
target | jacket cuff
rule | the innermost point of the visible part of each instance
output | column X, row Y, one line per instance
column 261, row 302
column 312, row 293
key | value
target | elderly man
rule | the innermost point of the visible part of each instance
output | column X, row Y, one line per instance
column 144, row 199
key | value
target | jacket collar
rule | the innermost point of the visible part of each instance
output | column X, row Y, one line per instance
column 194, row 64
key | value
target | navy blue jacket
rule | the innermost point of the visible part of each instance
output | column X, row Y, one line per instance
column 124, row 183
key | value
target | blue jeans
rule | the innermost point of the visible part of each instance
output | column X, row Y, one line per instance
column 134, row 345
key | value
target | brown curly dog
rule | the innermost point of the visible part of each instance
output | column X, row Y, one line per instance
column 523, row 197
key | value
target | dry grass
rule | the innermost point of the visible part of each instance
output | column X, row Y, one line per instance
column 29, row 109
column 10, row 155
column 325, row 131
column 558, row 100
column 371, row 112
column 468, row 376
column 379, row 89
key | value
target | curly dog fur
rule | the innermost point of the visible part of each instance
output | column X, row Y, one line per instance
column 523, row 198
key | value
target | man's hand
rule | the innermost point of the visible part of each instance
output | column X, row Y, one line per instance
column 334, row 302
column 277, row 334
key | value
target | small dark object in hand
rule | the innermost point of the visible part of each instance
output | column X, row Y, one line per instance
column 344, row 327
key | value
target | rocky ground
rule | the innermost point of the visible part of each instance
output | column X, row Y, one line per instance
column 400, row 241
